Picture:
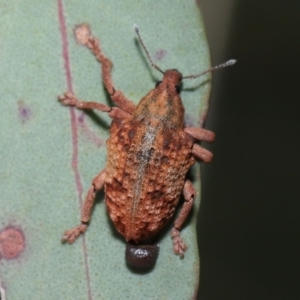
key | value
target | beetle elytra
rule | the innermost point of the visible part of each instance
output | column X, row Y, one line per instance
column 149, row 152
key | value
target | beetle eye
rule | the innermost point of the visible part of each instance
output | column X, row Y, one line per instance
column 177, row 88
column 158, row 83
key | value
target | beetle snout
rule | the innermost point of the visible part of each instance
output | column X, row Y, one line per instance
column 173, row 76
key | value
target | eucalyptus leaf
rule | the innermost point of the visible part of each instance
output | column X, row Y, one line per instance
column 50, row 154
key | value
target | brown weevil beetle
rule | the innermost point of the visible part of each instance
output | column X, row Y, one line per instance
column 149, row 152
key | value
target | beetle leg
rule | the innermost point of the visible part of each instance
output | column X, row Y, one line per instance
column 189, row 194
column 118, row 113
column 69, row 99
column 117, row 96
column 202, row 153
column 71, row 235
column 200, row 134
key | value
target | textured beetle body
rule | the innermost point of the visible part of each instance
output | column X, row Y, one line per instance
column 149, row 153
column 148, row 158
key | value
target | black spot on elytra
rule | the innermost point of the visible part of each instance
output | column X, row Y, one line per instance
column 157, row 194
column 165, row 159
column 167, row 141
column 131, row 134
column 117, row 185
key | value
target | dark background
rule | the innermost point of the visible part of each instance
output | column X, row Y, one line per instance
column 249, row 225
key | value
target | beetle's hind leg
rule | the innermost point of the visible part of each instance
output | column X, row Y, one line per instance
column 71, row 235
column 189, row 194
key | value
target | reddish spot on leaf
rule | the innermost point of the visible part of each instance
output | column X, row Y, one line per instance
column 24, row 112
column 160, row 54
column 12, row 242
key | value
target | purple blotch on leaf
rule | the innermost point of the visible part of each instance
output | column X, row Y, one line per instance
column 160, row 54
column 24, row 112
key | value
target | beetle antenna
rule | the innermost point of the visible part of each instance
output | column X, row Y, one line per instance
column 225, row 64
column 147, row 53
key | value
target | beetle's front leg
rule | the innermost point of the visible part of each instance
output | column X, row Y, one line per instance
column 71, row 235
column 69, row 99
column 189, row 194
column 84, row 36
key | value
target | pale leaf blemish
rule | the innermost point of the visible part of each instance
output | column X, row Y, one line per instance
column 82, row 33
column 160, row 54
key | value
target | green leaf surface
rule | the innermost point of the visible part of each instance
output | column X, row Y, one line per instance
column 50, row 154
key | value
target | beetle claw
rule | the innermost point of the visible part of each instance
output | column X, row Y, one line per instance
column 71, row 235
column 178, row 244
column 68, row 99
